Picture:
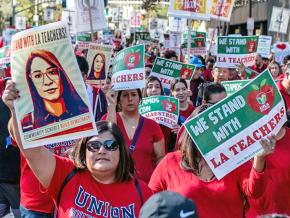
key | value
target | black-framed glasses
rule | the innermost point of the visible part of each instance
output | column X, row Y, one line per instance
column 109, row 145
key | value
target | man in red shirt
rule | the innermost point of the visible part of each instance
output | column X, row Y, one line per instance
column 259, row 65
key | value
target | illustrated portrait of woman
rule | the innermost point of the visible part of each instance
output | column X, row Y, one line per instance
column 98, row 69
column 53, row 95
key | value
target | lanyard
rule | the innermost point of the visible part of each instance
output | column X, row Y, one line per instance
column 137, row 133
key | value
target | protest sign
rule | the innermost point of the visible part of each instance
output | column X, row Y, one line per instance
column 54, row 104
column 142, row 36
column 69, row 17
column 129, row 68
column 228, row 133
column 233, row 86
column 83, row 19
column 197, row 46
column 279, row 20
column 264, row 46
column 162, row 109
column 84, row 37
column 117, row 14
column 234, row 50
column 281, row 50
column 177, row 24
column 7, row 35
column 20, row 23
column 4, row 56
column 222, row 10
column 166, row 70
column 197, row 42
column 135, row 19
column 98, row 58
column 174, row 40
column 198, row 9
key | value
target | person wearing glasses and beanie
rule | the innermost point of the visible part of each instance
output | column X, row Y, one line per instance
column 50, row 89
column 99, row 179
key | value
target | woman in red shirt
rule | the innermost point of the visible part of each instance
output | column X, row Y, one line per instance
column 187, row 172
column 153, row 87
column 143, row 136
column 179, row 89
column 103, row 184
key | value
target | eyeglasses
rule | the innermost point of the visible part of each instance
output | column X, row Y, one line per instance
column 38, row 76
column 109, row 145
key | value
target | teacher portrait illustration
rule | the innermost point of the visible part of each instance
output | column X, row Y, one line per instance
column 98, row 67
column 53, row 96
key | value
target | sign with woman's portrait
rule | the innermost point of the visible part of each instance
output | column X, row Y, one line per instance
column 98, row 58
column 53, row 103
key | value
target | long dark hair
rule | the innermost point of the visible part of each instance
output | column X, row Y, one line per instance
column 74, row 103
column 190, row 153
column 103, row 70
column 149, row 80
column 125, row 169
column 118, row 106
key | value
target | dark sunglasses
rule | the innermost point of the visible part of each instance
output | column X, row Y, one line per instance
column 109, row 145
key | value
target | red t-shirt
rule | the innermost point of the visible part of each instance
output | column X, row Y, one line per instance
column 83, row 196
column 284, row 94
column 183, row 115
column 276, row 199
column 207, row 75
column 218, row 198
column 257, row 69
column 31, row 196
column 143, row 155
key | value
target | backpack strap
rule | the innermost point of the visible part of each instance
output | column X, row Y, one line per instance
column 67, row 179
column 137, row 184
column 136, row 136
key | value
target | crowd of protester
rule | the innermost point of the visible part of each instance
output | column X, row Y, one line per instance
column 113, row 173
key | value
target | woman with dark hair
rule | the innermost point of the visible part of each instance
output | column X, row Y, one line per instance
column 143, row 136
column 179, row 89
column 99, row 181
column 98, row 68
column 53, row 95
column 187, row 173
column 153, row 87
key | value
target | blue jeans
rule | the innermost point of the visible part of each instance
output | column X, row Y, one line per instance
column 25, row 213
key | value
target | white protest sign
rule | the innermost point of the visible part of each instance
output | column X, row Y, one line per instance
column 264, row 46
column 83, row 19
column 48, row 112
column 279, row 20
column 20, row 23
column 129, row 68
column 234, row 50
column 225, row 138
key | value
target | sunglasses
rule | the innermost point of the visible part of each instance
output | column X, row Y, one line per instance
column 109, row 145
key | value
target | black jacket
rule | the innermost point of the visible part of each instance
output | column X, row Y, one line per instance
column 9, row 155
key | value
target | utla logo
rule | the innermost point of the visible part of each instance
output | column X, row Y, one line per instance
column 251, row 46
column 185, row 73
column 168, row 106
column 261, row 99
column 132, row 60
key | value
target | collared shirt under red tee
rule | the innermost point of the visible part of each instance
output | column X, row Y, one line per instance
column 83, row 196
column 143, row 155
column 218, row 198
